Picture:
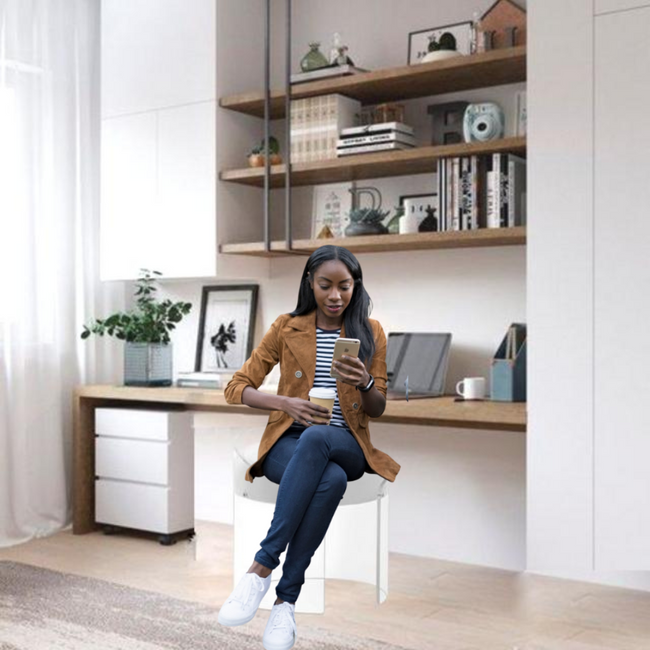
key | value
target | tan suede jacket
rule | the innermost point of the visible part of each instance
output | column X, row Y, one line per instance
column 291, row 341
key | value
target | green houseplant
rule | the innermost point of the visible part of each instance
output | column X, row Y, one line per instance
column 145, row 330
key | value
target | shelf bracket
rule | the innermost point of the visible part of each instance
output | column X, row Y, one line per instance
column 287, row 136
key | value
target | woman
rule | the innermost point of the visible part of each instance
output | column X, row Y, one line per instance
column 312, row 462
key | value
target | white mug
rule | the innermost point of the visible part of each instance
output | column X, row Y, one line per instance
column 474, row 388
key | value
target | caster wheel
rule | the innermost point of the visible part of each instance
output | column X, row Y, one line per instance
column 191, row 534
column 166, row 540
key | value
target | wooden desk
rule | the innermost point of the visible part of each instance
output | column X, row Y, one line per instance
column 436, row 411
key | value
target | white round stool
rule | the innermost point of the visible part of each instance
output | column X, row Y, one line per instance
column 355, row 546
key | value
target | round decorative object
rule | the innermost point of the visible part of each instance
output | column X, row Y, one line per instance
column 359, row 228
column 483, row 122
column 355, row 406
column 439, row 55
column 314, row 59
column 298, row 374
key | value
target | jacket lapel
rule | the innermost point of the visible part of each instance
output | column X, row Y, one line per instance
column 300, row 338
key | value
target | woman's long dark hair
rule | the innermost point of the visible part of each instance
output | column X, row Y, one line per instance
column 356, row 313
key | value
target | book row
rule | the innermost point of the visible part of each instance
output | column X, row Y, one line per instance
column 483, row 191
column 316, row 123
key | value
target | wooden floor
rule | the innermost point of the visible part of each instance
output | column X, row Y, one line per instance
column 432, row 604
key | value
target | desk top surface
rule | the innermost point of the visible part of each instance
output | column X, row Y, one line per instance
column 433, row 411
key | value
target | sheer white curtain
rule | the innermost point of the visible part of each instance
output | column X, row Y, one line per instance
column 49, row 270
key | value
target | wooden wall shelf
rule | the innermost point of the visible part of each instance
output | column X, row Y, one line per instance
column 482, row 70
column 390, row 243
column 420, row 160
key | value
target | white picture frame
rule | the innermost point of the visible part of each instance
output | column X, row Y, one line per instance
column 226, row 327
column 419, row 203
column 419, row 41
column 331, row 207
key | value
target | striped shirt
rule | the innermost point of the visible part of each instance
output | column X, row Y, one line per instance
column 325, row 340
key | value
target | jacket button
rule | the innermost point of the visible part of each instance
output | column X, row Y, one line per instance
column 298, row 374
column 355, row 406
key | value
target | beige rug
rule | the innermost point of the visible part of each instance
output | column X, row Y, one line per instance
column 42, row 609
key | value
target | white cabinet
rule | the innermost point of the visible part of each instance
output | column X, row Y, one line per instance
column 158, row 193
column 128, row 195
column 158, row 162
column 156, row 53
column 622, row 278
column 144, row 470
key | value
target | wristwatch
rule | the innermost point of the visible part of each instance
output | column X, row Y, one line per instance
column 370, row 384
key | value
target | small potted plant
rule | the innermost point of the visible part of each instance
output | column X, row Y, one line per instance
column 256, row 157
column 145, row 330
column 441, row 48
column 366, row 221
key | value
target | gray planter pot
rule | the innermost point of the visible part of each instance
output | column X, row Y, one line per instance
column 147, row 364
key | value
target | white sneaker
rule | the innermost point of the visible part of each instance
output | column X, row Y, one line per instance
column 281, row 631
column 241, row 605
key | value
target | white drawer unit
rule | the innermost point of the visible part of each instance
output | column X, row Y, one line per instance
column 144, row 471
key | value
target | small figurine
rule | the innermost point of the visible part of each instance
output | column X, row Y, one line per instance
column 338, row 52
column 500, row 17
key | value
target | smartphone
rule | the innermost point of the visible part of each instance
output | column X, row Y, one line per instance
column 349, row 347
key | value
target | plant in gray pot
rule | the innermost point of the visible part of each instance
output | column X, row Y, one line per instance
column 366, row 221
column 145, row 330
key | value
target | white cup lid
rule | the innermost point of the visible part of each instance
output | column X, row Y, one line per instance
column 322, row 393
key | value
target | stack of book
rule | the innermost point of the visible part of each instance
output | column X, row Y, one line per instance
column 198, row 380
column 326, row 73
column 389, row 136
column 487, row 191
column 316, row 123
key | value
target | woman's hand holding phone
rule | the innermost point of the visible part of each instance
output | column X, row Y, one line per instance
column 351, row 370
column 306, row 412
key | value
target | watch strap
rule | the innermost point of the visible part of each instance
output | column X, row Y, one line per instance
column 368, row 386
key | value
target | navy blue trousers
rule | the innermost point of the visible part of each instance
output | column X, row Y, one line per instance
column 312, row 467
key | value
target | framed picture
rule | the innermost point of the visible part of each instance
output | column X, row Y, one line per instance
column 419, row 41
column 226, row 327
column 421, row 204
column 331, row 207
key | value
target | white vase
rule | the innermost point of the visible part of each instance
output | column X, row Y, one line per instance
column 439, row 55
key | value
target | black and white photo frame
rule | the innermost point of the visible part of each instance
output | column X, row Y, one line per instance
column 226, row 327
column 419, row 41
column 424, row 207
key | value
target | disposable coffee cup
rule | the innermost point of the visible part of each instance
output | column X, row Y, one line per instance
column 323, row 397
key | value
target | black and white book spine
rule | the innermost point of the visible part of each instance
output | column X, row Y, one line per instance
column 465, row 193
column 491, row 194
column 496, row 188
column 516, row 190
column 473, row 212
column 448, row 193
column 371, row 148
column 439, row 192
column 503, row 190
column 384, row 127
column 456, row 194
column 394, row 136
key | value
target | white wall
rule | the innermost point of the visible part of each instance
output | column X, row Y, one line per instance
column 561, row 530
